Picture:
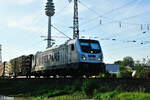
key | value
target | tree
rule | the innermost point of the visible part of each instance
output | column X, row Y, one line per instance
column 128, row 61
column 118, row 62
column 143, row 72
column 138, row 65
column 148, row 62
column 125, row 72
column 144, row 61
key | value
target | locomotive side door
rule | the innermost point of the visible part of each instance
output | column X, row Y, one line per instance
column 69, row 54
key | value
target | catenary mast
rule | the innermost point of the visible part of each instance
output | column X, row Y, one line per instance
column 49, row 11
column 75, row 21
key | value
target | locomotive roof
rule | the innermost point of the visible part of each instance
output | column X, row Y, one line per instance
column 88, row 40
column 67, row 43
column 62, row 45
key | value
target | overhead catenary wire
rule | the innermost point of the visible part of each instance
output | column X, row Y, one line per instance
column 59, row 37
column 116, row 21
column 134, row 16
column 60, row 11
column 114, row 37
column 60, row 31
column 119, row 8
column 115, row 49
column 102, row 15
column 119, row 22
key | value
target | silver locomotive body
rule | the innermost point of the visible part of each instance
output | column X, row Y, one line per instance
column 75, row 57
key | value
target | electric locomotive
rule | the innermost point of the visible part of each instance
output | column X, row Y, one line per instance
column 77, row 57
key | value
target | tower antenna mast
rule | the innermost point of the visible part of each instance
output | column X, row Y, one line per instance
column 75, row 21
column 49, row 11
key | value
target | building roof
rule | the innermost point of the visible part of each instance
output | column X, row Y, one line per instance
column 132, row 67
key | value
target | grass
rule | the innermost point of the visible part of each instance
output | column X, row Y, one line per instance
column 100, row 96
column 27, row 88
column 74, row 96
column 61, row 89
column 106, row 96
column 133, row 96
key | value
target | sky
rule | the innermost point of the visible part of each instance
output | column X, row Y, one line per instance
column 121, row 26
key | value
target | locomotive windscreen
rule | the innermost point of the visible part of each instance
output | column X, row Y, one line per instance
column 90, row 46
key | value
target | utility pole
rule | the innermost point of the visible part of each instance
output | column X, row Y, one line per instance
column 75, row 21
column 49, row 11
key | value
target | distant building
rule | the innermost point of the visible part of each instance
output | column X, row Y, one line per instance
column 113, row 68
column 147, row 65
column 1, row 69
column 1, row 64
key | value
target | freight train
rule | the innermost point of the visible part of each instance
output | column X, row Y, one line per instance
column 76, row 57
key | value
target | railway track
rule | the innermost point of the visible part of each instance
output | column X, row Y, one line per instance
column 100, row 80
column 20, row 85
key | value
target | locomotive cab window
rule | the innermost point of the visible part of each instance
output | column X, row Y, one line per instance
column 72, row 47
column 95, row 46
column 90, row 46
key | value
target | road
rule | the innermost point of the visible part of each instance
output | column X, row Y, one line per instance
column 6, row 98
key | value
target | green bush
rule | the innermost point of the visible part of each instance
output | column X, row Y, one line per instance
column 125, row 74
column 89, row 86
column 105, row 75
column 74, row 87
column 119, row 88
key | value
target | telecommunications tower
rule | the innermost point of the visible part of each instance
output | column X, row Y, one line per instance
column 49, row 11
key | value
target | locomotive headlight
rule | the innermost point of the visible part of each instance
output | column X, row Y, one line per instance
column 83, row 57
column 100, row 58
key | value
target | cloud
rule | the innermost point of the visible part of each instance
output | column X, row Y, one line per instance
column 29, row 23
column 22, row 2
column 18, row 2
column 69, row 10
column 133, row 11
